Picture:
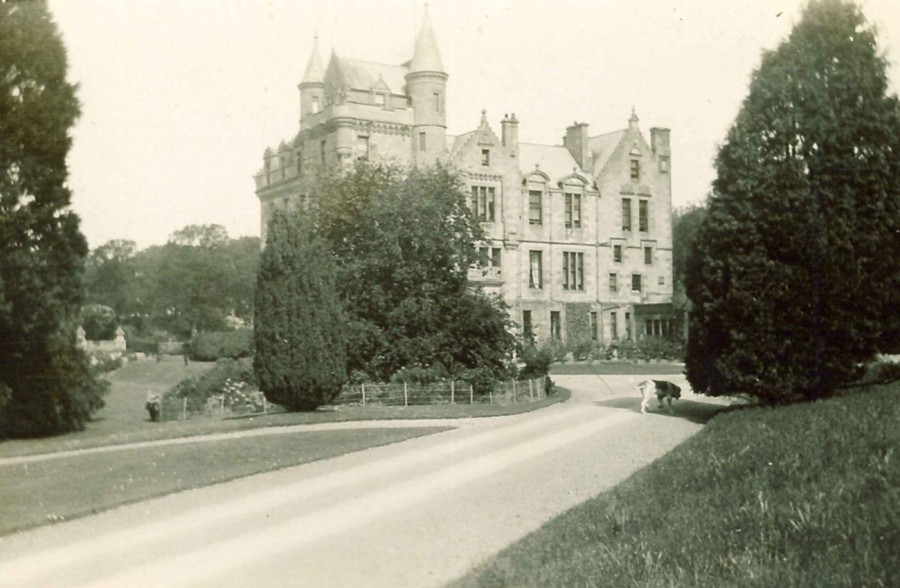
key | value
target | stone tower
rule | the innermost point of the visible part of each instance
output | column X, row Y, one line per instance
column 312, row 87
column 426, row 85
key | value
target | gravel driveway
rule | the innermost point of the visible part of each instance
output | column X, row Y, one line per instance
column 417, row 513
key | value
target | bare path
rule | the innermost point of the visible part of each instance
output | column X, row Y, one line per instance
column 417, row 513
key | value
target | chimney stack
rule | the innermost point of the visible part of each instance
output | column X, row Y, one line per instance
column 576, row 141
column 510, row 132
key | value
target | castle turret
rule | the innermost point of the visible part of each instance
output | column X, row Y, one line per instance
column 312, row 87
column 426, row 84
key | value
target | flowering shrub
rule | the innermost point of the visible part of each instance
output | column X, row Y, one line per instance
column 233, row 380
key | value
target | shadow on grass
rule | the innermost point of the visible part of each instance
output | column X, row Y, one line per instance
column 689, row 410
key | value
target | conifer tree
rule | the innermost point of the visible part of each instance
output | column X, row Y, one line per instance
column 45, row 384
column 301, row 355
column 795, row 268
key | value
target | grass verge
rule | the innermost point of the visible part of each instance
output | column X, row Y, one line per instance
column 622, row 368
column 43, row 492
column 802, row 495
column 124, row 420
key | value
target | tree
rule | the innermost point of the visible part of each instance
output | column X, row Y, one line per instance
column 685, row 226
column 301, row 356
column 197, row 280
column 404, row 242
column 45, row 384
column 793, row 275
column 110, row 276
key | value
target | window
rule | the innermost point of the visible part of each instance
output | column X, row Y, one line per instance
column 594, row 329
column 573, row 211
column 648, row 255
column 490, row 257
column 536, row 270
column 617, row 253
column 362, row 148
column 322, row 152
column 486, row 157
column 534, row 207
column 648, row 327
column 573, row 271
column 437, row 101
column 527, row 329
column 421, row 141
column 662, row 280
column 643, row 216
column 379, row 99
column 628, row 326
column 613, row 282
column 635, row 170
column 626, row 214
column 555, row 325
column 484, row 203
column 664, row 164
column 315, row 105
column 613, row 326
column 636, row 282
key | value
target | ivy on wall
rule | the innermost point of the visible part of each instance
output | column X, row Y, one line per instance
column 578, row 324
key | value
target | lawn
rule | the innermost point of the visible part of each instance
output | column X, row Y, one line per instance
column 125, row 420
column 628, row 368
column 801, row 495
column 76, row 485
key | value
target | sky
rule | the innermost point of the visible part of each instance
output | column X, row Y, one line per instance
column 181, row 97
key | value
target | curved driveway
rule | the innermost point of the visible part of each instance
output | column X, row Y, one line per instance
column 417, row 513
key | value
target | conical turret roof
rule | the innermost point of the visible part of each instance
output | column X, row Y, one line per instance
column 315, row 73
column 426, row 56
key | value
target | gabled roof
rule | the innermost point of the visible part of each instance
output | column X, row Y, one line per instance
column 357, row 74
column 554, row 160
column 603, row 146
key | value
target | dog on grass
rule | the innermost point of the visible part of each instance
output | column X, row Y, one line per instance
column 662, row 389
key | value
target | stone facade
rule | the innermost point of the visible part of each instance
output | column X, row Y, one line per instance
column 579, row 234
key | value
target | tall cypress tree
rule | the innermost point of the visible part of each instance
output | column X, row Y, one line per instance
column 795, row 269
column 301, row 355
column 45, row 384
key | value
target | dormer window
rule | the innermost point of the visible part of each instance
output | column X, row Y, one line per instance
column 379, row 99
column 635, row 170
column 486, row 157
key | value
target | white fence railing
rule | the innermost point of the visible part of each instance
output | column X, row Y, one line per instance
column 505, row 392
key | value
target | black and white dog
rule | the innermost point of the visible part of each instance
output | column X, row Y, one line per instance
column 661, row 389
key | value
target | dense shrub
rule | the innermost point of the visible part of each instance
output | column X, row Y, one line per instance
column 649, row 348
column 197, row 390
column 481, row 379
column 222, row 344
column 99, row 322
column 537, row 361
column 419, row 375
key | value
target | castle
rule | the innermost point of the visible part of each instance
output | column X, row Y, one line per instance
column 579, row 234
